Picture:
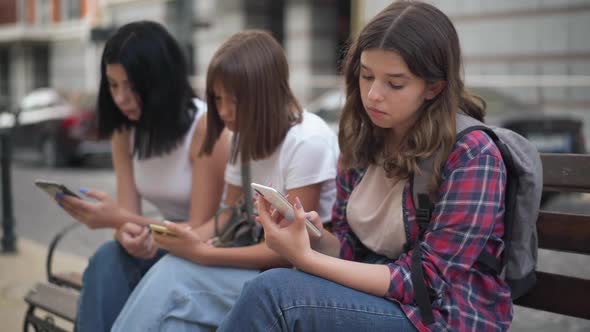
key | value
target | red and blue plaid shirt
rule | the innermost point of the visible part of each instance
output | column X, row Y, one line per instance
column 467, row 219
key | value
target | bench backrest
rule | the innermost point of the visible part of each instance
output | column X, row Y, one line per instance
column 563, row 232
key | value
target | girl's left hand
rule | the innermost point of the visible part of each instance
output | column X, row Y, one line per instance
column 186, row 244
column 288, row 239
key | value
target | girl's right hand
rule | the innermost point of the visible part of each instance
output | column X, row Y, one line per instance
column 288, row 239
column 137, row 240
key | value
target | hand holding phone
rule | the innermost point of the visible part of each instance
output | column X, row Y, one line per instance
column 280, row 202
column 162, row 230
column 54, row 188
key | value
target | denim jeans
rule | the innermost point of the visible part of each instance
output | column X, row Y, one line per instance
column 179, row 295
column 109, row 279
column 289, row 300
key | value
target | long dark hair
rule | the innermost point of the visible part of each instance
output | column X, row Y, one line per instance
column 157, row 71
column 427, row 41
column 252, row 66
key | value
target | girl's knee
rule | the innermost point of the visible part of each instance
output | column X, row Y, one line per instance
column 106, row 255
column 268, row 282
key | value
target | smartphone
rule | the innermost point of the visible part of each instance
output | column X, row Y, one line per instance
column 53, row 188
column 162, row 230
column 282, row 205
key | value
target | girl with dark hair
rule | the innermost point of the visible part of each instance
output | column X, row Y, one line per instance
column 248, row 93
column 157, row 128
column 404, row 90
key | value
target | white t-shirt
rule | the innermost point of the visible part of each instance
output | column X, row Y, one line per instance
column 308, row 155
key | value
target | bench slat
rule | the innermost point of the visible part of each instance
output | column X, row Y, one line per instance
column 68, row 279
column 57, row 300
column 564, row 232
column 560, row 294
column 566, row 172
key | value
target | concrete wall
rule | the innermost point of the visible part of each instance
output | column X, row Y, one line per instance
column 225, row 17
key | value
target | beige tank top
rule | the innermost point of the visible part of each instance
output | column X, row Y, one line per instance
column 375, row 212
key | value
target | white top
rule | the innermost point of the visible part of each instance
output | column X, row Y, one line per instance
column 166, row 181
column 308, row 155
column 375, row 214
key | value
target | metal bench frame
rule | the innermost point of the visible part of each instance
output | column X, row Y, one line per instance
column 61, row 286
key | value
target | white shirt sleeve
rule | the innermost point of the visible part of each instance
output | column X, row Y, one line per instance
column 312, row 160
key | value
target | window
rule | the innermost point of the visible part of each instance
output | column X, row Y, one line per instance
column 70, row 9
column 40, row 65
column 4, row 79
column 43, row 12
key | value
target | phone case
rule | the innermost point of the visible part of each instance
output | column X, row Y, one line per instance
column 280, row 202
column 161, row 230
column 53, row 188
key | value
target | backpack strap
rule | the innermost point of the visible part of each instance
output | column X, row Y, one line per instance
column 246, row 188
column 423, row 213
column 247, row 192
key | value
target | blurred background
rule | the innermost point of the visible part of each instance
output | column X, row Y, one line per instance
column 529, row 59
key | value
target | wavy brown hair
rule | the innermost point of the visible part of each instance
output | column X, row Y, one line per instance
column 427, row 41
column 252, row 67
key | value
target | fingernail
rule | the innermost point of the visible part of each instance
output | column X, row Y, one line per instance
column 308, row 215
column 167, row 222
column 59, row 195
column 83, row 190
column 299, row 205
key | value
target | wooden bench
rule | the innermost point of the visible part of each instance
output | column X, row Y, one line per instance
column 563, row 232
column 56, row 297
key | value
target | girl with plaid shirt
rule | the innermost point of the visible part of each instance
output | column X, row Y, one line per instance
column 404, row 89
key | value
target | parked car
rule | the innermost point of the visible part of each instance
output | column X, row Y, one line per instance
column 63, row 131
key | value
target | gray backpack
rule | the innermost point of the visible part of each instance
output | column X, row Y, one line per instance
column 523, row 197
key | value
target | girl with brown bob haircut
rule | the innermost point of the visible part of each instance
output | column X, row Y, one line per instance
column 404, row 90
column 259, row 84
column 247, row 93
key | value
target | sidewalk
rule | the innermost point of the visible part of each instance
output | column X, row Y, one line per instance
column 20, row 271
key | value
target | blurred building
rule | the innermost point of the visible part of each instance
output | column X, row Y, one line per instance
column 58, row 43
column 45, row 43
column 537, row 51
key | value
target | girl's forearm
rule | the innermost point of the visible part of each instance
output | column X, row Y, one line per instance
column 328, row 244
column 369, row 278
column 258, row 256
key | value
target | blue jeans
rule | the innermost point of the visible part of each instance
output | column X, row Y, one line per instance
column 289, row 300
column 179, row 295
column 109, row 279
